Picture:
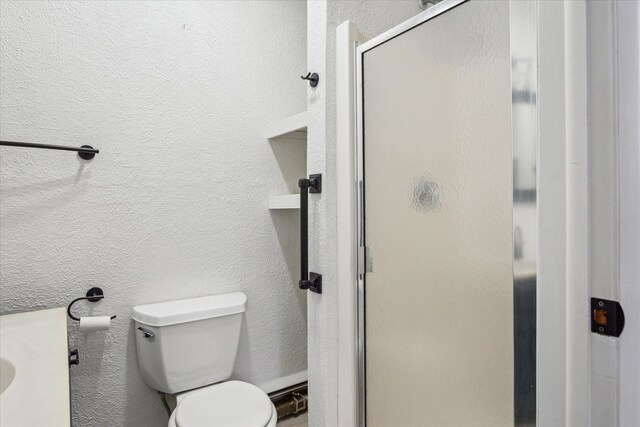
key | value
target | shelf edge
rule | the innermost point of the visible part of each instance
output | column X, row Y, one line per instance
column 290, row 125
column 288, row 201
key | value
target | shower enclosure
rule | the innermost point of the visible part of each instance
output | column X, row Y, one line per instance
column 446, row 136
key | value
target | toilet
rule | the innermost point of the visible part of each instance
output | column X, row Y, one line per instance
column 188, row 348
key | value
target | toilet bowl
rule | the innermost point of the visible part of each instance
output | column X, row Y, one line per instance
column 188, row 348
column 229, row 404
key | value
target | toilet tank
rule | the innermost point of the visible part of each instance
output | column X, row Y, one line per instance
column 188, row 343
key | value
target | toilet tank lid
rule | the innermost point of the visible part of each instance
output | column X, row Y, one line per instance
column 190, row 310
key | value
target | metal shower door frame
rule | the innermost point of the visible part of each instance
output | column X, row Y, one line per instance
column 519, row 196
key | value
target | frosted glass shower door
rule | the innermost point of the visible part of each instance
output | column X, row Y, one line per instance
column 438, row 199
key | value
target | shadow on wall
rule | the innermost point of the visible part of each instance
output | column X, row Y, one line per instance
column 97, row 359
column 287, row 226
column 138, row 391
column 291, row 155
column 64, row 190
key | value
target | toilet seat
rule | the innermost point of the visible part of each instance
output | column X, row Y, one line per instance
column 227, row 404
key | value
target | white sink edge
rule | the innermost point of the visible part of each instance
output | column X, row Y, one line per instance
column 36, row 343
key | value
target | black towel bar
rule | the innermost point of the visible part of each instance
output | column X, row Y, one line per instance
column 86, row 152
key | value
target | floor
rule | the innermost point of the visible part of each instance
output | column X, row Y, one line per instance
column 299, row 421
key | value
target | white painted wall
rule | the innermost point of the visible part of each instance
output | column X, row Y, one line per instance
column 372, row 18
column 176, row 96
column 628, row 68
column 590, row 140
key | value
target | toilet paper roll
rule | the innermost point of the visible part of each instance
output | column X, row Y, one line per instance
column 93, row 324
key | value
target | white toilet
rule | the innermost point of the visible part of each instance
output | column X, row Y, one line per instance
column 189, row 347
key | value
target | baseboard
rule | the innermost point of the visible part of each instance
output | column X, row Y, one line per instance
column 283, row 382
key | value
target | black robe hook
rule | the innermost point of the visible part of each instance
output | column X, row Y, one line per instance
column 313, row 79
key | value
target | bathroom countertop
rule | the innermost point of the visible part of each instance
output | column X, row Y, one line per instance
column 36, row 344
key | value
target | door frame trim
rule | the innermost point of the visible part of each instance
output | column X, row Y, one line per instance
column 409, row 24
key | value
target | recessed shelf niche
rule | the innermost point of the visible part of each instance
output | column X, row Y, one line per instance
column 288, row 139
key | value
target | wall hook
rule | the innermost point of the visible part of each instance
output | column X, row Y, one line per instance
column 313, row 79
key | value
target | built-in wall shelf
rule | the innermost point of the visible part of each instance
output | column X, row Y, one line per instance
column 289, row 201
column 291, row 126
column 291, row 153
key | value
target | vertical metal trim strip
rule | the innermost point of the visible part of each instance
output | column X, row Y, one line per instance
column 359, row 157
column 523, row 21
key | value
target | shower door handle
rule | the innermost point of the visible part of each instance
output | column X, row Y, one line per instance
column 311, row 281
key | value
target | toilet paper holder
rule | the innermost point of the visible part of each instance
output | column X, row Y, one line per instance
column 93, row 295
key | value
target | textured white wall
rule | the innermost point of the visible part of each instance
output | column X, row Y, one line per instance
column 628, row 108
column 372, row 18
column 176, row 96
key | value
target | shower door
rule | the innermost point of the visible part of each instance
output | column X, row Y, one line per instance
column 436, row 175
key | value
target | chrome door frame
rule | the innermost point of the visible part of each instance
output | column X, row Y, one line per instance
column 434, row 11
